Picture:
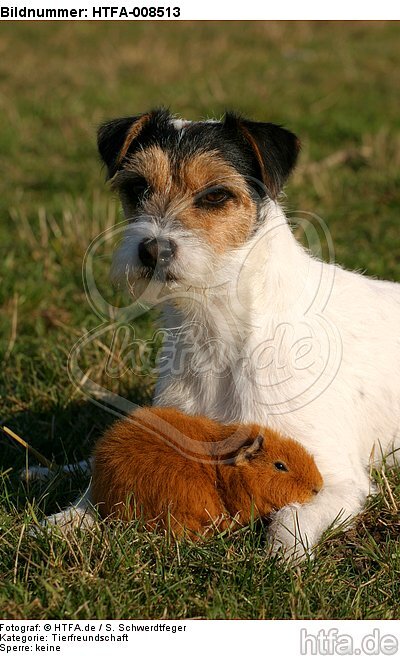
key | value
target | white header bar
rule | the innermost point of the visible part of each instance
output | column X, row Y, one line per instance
column 130, row 10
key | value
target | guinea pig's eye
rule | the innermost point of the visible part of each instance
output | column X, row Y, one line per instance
column 280, row 466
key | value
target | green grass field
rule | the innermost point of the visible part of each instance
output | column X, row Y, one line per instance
column 337, row 86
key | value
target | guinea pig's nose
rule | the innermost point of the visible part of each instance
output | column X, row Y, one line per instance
column 317, row 489
column 156, row 251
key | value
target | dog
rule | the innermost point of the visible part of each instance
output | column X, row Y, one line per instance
column 272, row 334
column 194, row 476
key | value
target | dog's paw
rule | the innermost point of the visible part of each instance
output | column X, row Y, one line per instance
column 70, row 519
column 38, row 473
column 287, row 538
column 35, row 473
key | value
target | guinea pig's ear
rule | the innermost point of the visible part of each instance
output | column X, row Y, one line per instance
column 248, row 452
column 115, row 138
column 275, row 149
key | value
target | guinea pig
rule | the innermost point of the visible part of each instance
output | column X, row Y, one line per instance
column 194, row 475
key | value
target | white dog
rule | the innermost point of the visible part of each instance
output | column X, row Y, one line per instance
column 259, row 330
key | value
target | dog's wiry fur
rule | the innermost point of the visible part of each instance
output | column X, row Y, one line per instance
column 239, row 277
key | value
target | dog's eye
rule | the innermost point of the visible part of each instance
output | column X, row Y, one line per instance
column 280, row 466
column 213, row 197
column 135, row 189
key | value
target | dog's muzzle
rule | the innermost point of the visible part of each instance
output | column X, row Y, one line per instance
column 156, row 252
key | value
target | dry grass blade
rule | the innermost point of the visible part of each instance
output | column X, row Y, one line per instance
column 15, row 572
column 41, row 458
column 14, row 323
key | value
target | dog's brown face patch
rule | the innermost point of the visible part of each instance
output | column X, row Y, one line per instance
column 200, row 191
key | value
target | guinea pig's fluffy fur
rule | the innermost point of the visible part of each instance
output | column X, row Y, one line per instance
column 196, row 475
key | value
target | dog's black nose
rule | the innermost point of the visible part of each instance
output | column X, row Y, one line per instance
column 153, row 252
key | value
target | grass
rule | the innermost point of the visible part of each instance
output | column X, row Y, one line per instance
column 334, row 84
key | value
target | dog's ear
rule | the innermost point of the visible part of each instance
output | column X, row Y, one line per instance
column 115, row 138
column 274, row 148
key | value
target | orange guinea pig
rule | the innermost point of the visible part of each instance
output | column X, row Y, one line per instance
column 194, row 474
